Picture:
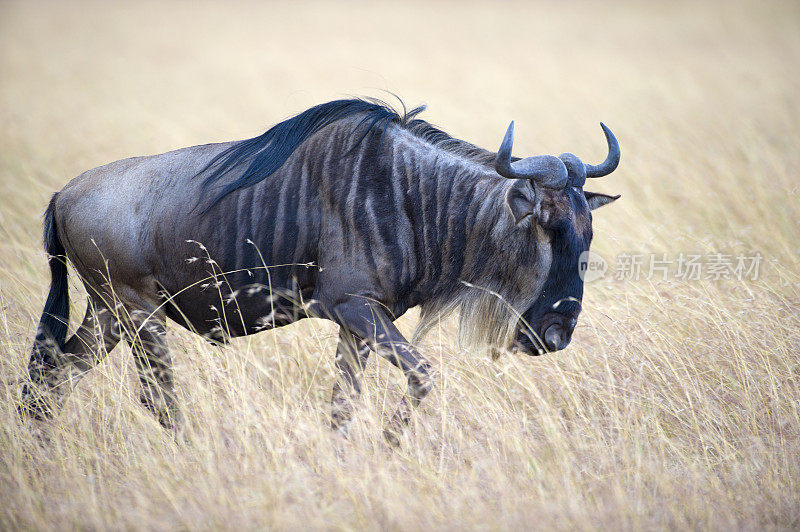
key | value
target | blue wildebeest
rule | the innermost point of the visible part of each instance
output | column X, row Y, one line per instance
column 348, row 211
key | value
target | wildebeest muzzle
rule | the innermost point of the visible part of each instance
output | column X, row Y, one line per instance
column 552, row 333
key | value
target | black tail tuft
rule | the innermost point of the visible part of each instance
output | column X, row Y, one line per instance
column 53, row 325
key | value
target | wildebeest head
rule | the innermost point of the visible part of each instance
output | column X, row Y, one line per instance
column 548, row 201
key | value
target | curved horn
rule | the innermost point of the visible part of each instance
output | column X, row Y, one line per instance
column 502, row 162
column 546, row 170
column 612, row 159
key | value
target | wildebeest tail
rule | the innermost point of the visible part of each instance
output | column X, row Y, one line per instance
column 55, row 317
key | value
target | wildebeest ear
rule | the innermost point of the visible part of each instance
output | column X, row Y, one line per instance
column 519, row 199
column 596, row 200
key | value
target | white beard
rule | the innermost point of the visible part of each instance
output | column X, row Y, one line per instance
column 488, row 321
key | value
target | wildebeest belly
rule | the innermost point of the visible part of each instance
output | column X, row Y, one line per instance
column 232, row 287
column 226, row 306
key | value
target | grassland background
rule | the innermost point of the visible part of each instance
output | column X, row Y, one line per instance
column 677, row 404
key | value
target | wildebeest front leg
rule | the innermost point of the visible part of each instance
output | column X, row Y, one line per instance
column 367, row 320
column 154, row 364
column 351, row 357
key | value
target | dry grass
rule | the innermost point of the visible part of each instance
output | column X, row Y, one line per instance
column 678, row 403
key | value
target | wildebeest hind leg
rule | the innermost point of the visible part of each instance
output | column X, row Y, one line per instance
column 351, row 357
column 154, row 364
column 54, row 372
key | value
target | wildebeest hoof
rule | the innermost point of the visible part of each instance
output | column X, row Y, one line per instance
column 392, row 437
column 35, row 405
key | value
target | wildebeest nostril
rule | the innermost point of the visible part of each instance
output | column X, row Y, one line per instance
column 552, row 337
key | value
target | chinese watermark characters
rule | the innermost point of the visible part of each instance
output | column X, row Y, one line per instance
column 663, row 266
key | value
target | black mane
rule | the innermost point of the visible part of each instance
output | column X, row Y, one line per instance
column 267, row 152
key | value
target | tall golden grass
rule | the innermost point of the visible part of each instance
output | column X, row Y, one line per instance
column 677, row 404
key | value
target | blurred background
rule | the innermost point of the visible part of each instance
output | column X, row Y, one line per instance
column 702, row 97
column 677, row 403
